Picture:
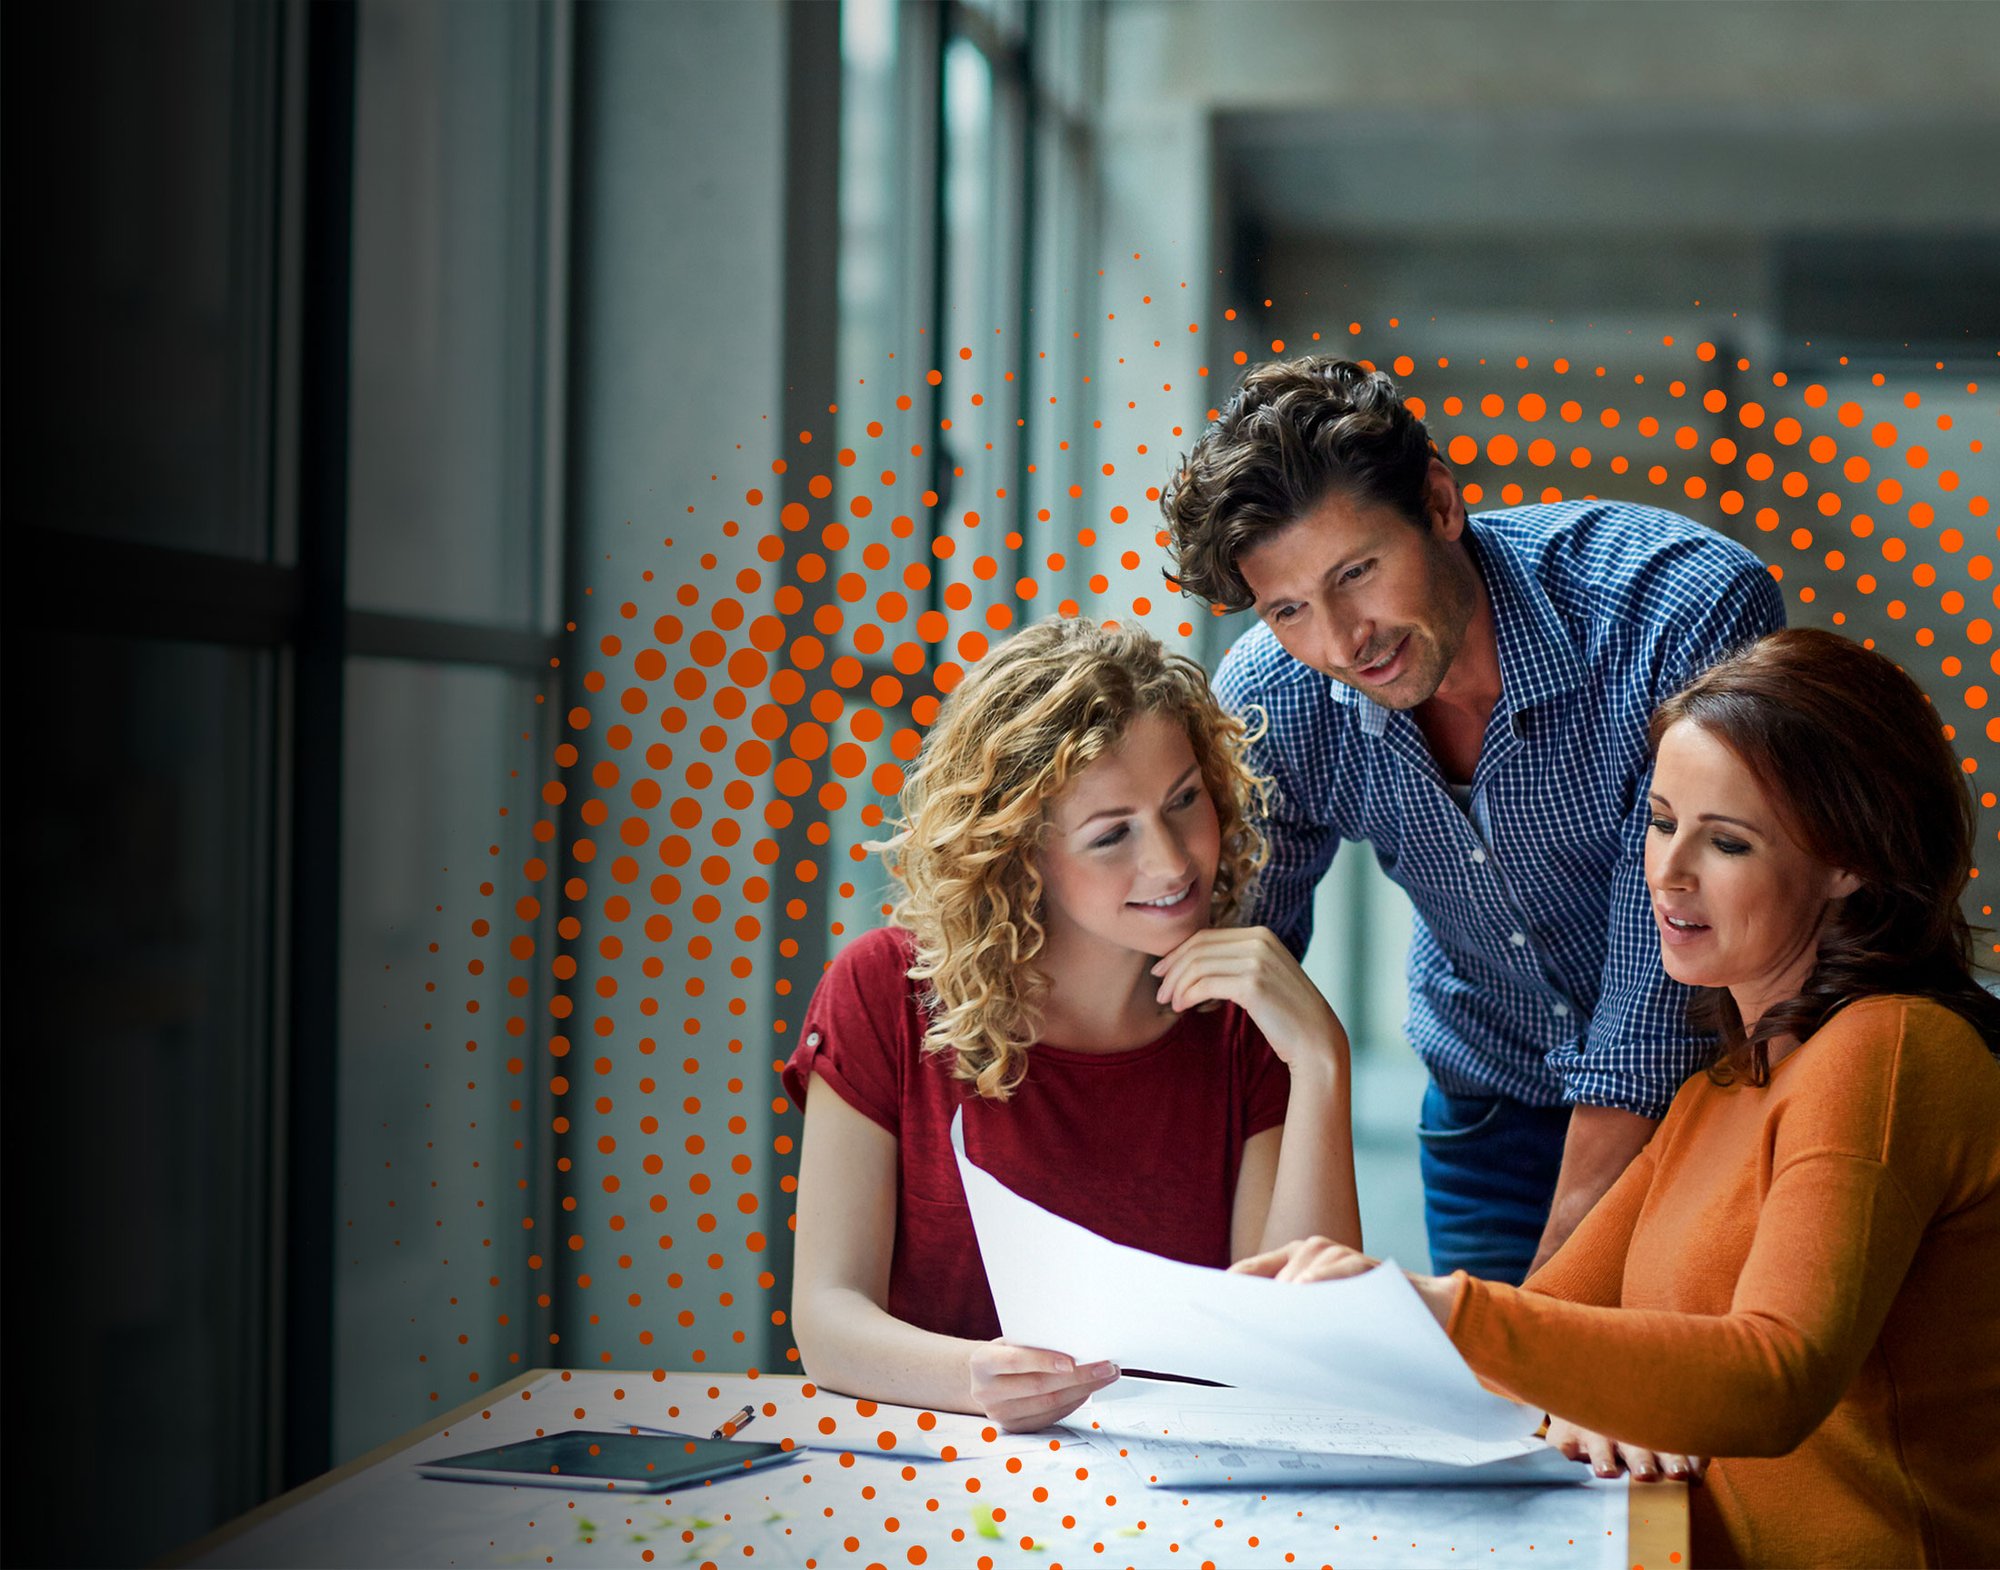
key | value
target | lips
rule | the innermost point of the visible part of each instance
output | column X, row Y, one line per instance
column 1677, row 929
column 1387, row 667
column 1169, row 904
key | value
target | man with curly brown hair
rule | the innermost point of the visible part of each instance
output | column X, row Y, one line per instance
column 1484, row 729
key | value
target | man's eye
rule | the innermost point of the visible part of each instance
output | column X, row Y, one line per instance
column 1355, row 572
column 1284, row 613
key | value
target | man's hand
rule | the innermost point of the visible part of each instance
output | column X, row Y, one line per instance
column 1600, row 1145
column 1025, row 1388
column 1252, row 968
column 1606, row 1455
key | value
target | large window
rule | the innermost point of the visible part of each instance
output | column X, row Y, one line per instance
column 278, row 540
column 966, row 202
column 358, row 356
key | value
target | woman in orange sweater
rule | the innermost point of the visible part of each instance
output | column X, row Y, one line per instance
column 1798, row 1275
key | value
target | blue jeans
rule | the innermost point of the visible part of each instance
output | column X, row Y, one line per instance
column 1490, row 1166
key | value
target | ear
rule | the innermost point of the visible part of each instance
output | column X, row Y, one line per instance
column 1444, row 508
column 1841, row 884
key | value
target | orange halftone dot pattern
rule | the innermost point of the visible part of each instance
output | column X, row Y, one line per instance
column 735, row 704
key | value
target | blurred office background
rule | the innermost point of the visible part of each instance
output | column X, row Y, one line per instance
column 358, row 359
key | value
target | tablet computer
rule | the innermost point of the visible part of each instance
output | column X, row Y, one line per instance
column 620, row 1462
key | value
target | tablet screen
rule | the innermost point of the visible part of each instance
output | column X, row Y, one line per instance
column 654, row 1459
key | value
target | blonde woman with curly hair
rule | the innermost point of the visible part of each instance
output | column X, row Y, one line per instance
column 1075, row 846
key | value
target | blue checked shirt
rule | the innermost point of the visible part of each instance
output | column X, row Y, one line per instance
column 1535, row 969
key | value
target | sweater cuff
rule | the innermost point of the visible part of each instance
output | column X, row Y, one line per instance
column 1463, row 1289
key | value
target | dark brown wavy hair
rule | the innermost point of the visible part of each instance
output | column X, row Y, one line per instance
column 1294, row 433
column 1855, row 763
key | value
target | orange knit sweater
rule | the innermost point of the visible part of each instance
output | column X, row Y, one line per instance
column 1802, row 1281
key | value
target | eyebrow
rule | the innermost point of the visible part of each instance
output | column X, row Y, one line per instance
column 1717, row 817
column 1126, row 812
column 1339, row 567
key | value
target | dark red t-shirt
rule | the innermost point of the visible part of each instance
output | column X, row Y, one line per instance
column 1142, row 1147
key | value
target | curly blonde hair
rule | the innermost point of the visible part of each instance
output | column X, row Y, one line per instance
column 1027, row 720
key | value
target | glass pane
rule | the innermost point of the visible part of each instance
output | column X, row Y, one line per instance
column 1059, row 442
column 433, row 1162
column 863, row 891
column 877, row 496
column 137, row 365
column 979, row 491
column 136, row 1095
column 443, row 469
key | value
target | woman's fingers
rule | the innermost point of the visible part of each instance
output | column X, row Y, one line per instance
column 1569, row 1439
column 1309, row 1259
column 1603, row 1454
column 1024, row 1413
column 1043, row 1382
column 1643, row 1464
column 1268, row 1263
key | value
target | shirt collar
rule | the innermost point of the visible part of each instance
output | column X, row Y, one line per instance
column 1537, row 659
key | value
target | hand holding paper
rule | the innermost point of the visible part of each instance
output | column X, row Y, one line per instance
column 1026, row 1388
column 1367, row 1345
column 1321, row 1259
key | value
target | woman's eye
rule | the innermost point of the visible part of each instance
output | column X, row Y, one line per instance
column 1187, row 797
column 1110, row 837
column 1663, row 825
column 1731, row 847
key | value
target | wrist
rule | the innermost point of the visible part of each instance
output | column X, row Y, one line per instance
column 1440, row 1295
column 1322, row 1072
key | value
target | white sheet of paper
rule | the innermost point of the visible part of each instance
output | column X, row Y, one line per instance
column 1366, row 1345
column 1201, row 1436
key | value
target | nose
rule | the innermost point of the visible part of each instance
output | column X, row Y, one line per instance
column 1165, row 860
column 1673, row 863
column 1354, row 639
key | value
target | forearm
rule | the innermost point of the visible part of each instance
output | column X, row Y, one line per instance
column 1600, row 1144
column 1740, row 1384
column 1313, row 1194
column 851, row 1344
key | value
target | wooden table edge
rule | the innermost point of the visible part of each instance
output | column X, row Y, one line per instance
column 1656, row 1526
column 361, row 1463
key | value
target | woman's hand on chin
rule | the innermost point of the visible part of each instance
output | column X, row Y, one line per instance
column 1322, row 1259
column 1250, row 967
column 1025, row 1388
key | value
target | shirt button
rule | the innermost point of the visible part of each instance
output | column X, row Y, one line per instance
column 1562, row 1011
column 1518, row 939
column 1478, row 855
column 812, row 1038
